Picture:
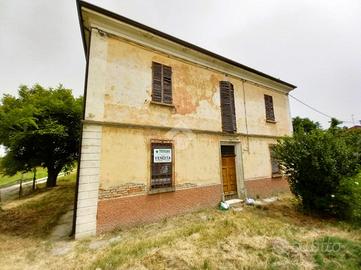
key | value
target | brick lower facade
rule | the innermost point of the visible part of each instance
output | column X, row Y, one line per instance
column 266, row 187
column 133, row 210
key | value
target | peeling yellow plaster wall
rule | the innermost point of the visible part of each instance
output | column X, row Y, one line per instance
column 126, row 86
column 256, row 158
column 119, row 90
column 129, row 86
column 257, row 115
column 125, row 156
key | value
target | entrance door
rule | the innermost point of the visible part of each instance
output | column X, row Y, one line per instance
column 229, row 170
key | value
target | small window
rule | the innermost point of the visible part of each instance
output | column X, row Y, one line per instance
column 228, row 110
column 161, row 165
column 274, row 163
column 162, row 83
column 270, row 114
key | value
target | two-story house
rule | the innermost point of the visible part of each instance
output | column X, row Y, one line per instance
column 169, row 127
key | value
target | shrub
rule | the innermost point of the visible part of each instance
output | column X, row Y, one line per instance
column 347, row 200
column 320, row 165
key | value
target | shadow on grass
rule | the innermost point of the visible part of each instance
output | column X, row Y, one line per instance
column 35, row 215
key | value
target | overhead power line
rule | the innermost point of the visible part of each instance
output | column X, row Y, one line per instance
column 314, row 109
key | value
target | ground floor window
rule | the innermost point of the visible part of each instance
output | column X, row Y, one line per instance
column 274, row 162
column 161, row 165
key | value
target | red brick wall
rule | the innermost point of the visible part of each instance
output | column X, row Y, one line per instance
column 266, row 187
column 128, row 211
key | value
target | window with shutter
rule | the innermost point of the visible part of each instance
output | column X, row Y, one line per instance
column 274, row 163
column 162, row 83
column 228, row 110
column 270, row 114
column 161, row 165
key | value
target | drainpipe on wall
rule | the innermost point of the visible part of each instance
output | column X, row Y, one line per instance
column 245, row 114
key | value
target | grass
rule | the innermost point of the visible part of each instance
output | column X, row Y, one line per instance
column 9, row 180
column 337, row 253
column 277, row 236
column 35, row 215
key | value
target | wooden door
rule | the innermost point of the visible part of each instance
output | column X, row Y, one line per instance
column 229, row 174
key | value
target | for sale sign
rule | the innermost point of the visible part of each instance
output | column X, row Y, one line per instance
column 162, row 155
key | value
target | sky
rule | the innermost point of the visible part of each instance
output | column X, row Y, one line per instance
column 315, row 45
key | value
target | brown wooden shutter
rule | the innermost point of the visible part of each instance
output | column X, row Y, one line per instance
column 228, row 107
column 233, row 108
column 274, row 162
column 270, row 115
column 167, row 84
column 157, row 82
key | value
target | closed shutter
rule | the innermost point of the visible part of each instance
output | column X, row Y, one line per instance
column 233, row 108
column 157, row 82
column 162, row 83
column 270, row 115
column 167, row 84
column 228, row 111
column 274, row 162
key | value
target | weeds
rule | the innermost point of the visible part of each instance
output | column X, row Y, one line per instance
column 276, row 237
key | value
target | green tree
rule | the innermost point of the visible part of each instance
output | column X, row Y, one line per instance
column 41, row 127
column 321, row 166
column 334, row 123
column 304, row 125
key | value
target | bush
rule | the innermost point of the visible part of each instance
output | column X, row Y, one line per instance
column 347, row 200
column 321, row 167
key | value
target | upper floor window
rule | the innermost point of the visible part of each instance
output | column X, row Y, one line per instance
column 162, row 83
column 228, row 110
column 270, row 114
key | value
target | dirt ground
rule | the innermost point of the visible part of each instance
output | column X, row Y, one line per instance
column 276, row 236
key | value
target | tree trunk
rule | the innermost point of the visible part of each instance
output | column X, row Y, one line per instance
column 34, row 178
column 21, row 185
column 52, row 176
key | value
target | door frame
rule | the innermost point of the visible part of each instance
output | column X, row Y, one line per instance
column 239, row 166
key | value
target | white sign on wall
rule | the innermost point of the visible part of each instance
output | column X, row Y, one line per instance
column 162, row 155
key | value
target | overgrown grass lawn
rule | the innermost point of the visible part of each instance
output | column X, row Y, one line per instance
column 276, row 236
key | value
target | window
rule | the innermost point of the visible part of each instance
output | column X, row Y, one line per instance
column 274, row 163
column 161, row 165
column 227, row 107
column 270, row 114
column 162, row 83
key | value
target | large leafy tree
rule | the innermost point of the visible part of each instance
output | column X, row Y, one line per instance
column 40, row 127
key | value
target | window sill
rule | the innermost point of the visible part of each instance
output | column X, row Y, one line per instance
column 276, row 176
column 271, row 121
column 229, row 132
column 161, row 190
column 162, row 104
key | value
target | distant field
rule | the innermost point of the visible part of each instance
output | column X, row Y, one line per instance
column 8, row 180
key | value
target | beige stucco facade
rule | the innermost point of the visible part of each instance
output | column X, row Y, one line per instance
column 119, row 107
column 126, row 80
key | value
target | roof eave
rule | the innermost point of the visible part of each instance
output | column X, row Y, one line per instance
column 80, row 18
column 118, row 17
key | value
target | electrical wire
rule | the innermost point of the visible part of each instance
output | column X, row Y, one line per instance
column 314, row 109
